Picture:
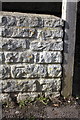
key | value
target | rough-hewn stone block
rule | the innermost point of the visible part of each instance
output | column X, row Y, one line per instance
column 18, row 32
column 54, row 70
column 12, row 44
column 35, row 22
column 33, row 57
column 47, row 45
column 43, row 34
column 28, row 71
column 18, row 57
column 53, row 22
column 32, row 21
column 50, row 57
column 29, row 95
column 33, row 85
column 8, row 20
column 33, row 95
column 15, row 32
column 4, row 98
column 24, row 21
column 5, row 71
column 48, row 33
column 2, row 58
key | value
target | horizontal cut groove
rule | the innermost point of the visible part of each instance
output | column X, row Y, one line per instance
column 29, row 64
column 42, row 28
column 23, row 50
column 35, row 63
column 30, row 91
column 32, row 39
column 26, row 79
column 32, row 78
column 16, row 92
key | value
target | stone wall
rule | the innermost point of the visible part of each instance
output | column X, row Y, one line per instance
column 31, row 48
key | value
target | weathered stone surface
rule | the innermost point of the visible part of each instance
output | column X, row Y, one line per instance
column 24, row 21
column 18, row 32
column 31, row 32
column 53, row 22
column 25, row 96
column 31, row 57
column 50, row 57
column 32, row 85
column 15, row 32
column 47, row 45
column 5, row 71
column 18, row 85
column 28, row 71
column 30, row 21
column 2, row 57
column 49, row 33
column 26, row 57
column 33, row 95
column 18, row 57
column 54, row 70
column 35, row 22
column 52, row 85
column 52, row 95
column 8, row 20
column 30, row 54
column 13, row 44
column 11, row 57
column 4, row 97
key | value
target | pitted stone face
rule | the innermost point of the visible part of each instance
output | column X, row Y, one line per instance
column 31, row 85
column 30, row 55
column 50, row 45
column 29, row 71
column 11, row 44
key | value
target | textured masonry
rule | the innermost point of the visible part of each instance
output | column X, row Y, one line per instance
column 31, row 48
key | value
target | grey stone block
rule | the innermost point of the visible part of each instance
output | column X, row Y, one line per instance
column 50, row 57
column 52, row 95
column 2, row 58
column 28, row 71
column 11, row 57
column 21, row 21
column 53, row 22
column 15, row 32
column 35, row 22
column 31, row 85
column 33, row 95
column 18, row 32
column 52, row 85
column 54, row 70
column 27, row 96
column 47, row 45
column 5, row 71
column 4, row 97
column 13, row 44
column 18, row 85
column 32, row 33
column 19, row 57
column 49, row 33
column 8, row 20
